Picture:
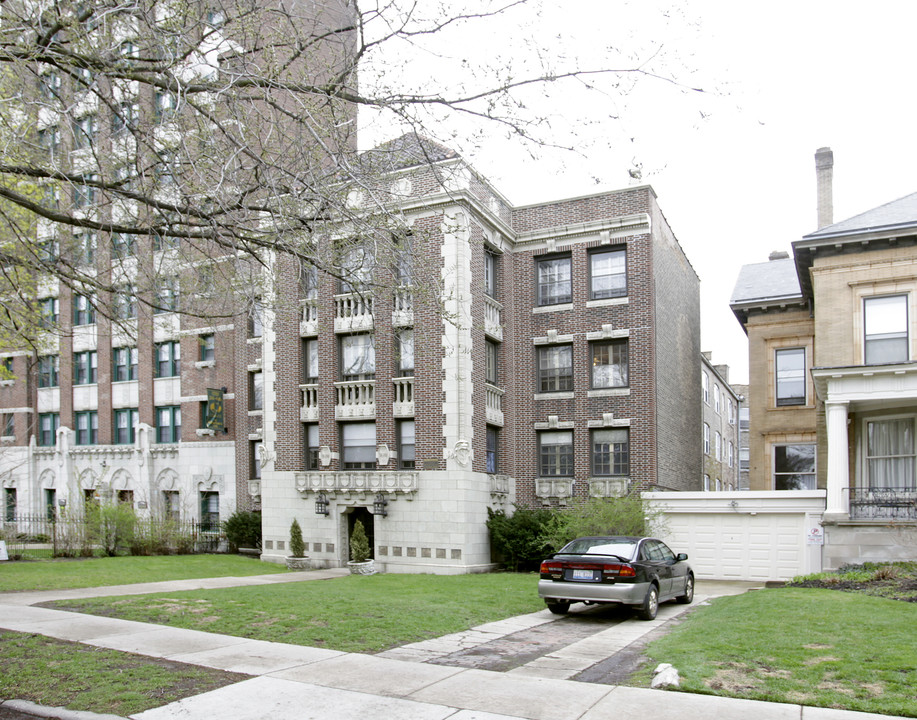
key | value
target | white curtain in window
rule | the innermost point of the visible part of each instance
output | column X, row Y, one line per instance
column 358, row 355
column 890, row 453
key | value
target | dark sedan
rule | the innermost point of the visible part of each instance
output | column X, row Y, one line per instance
column 642, row 572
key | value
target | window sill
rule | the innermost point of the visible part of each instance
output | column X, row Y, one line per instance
column 255, row 340
column 7, row 383
column 205, row 432
column 605, row 302
column 564, row 395
column 8, row 439
column 552, row 308
column 609, row 392
column 255, row 413
column 201, row 364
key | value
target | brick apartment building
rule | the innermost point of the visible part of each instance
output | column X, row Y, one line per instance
column 514, row 355
column 721, row 427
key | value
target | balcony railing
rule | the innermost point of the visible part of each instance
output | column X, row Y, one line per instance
column 403, row 400
column 493, row 318
column 403, row 306
column 355, row 399
column 883, row 503
column 308, row 323
column 494, row 404
column 309, row 410
column 353, row 312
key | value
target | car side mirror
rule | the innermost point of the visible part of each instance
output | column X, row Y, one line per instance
column 681, row 556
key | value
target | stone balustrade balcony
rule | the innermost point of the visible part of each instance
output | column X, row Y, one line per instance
column 355, row 399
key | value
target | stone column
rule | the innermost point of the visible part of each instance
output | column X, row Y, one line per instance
column 838, row 507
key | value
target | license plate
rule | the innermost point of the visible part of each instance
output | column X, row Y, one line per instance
column 582, row 575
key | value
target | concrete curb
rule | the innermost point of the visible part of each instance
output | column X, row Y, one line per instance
column 60, row 713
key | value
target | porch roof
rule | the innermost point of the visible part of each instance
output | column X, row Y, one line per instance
column 867, row 386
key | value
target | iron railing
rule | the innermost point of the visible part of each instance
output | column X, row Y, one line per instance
column 877, row 503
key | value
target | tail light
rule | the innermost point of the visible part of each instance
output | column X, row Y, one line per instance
column 623, row 570
column 553, row 570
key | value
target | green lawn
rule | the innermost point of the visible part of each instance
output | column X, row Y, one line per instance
column 806, row 646
column 96, row 572
column 80, row 677
column 353, row 613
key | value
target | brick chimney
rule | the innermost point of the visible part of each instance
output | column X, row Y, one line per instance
column 824, row 174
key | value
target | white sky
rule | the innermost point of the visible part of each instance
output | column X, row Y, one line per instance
column 734, row 167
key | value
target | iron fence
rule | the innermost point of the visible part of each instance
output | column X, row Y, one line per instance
column 31, row 537
column 883, row 503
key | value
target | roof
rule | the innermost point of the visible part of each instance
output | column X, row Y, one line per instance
column 409, row 150
column 767, row 281
column 895, row 215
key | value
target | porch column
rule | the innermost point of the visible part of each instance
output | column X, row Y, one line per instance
column 837, row 506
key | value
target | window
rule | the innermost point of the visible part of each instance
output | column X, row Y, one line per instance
column 123, row 245
column 48, row 371
column 49, row 250
column 210, row 511
column 207, row 346
column 168, row 424
column 311, row 447
column 406, row 449
column 493, row 449
column 404, row 258
column 48, row 423
column 84, row 132
column 491, row 362
column 358, row 441
column 405, row 353
column 84, row 194
column 358, row 357
column 8, row 424
column 85, row 365
column 309, row 282
column 705, row 385
column 125, row 303
column 164, row 105
column 716, row 398
column 490, row 273
column 609, row 364
column 730, row 453
column 87, row 427
column 256, row 319
column 49, row 139
column 885, row 322
column 171, row 509
column 85, row 244
column 49, row 310
column 256, row 391
column 167, row 296
column 256, row 447
column 7, row 365
column 608, row 271
column 730, row 411
column 718, row 446
column 51, row 504
column 49, row 84
column 123, row 117
column 124, row 361
column 790, row 376
column 310, row 361
column 168, row 359
column 84, row 312
column 555, row 453
column 611, row 451
column 554, row 281
column 164, row 242
column 706, row 439
column 890, row 454
column 555, row 368
column 126, row 420
column 357, row 270
column 794, row 467
column 9, row 504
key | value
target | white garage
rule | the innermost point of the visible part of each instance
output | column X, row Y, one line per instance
column 744, row 535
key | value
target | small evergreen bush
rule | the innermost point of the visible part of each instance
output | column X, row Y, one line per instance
column 297, row 546
column 243, row 529
column 359, row 543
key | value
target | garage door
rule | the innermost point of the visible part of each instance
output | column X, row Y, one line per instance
column 740, row 547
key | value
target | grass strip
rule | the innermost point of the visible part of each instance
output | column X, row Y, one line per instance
column 352, row 614
column 80, row 677
column 806, row 646
column 97, row 572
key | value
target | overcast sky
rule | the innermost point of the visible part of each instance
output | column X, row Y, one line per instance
column 733, row 167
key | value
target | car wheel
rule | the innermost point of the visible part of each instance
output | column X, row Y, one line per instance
column 558, row 608
column 688, row 597
column 647, row 610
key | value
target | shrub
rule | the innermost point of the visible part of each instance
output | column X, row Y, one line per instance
column 111, row 526
column 297, row 546
column 627, row 515
column 359, row 543
column 243, row 529
column 517, row 539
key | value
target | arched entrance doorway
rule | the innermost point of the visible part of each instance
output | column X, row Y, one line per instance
column 366, row 517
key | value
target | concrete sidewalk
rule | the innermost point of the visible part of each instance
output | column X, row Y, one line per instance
column 314, row 683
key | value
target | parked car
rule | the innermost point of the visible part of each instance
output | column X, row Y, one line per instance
column 638, row 571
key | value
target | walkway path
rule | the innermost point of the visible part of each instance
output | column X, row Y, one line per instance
column 422, row 681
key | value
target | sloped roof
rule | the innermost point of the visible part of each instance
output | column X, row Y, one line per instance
column 894, row 215
column 766, row 282
column 409, row 150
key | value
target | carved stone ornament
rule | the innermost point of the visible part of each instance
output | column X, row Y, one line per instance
column 324, row 455
column 462, row 452
column 383, row 454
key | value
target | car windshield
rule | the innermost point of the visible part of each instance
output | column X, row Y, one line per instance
column 600, row 546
